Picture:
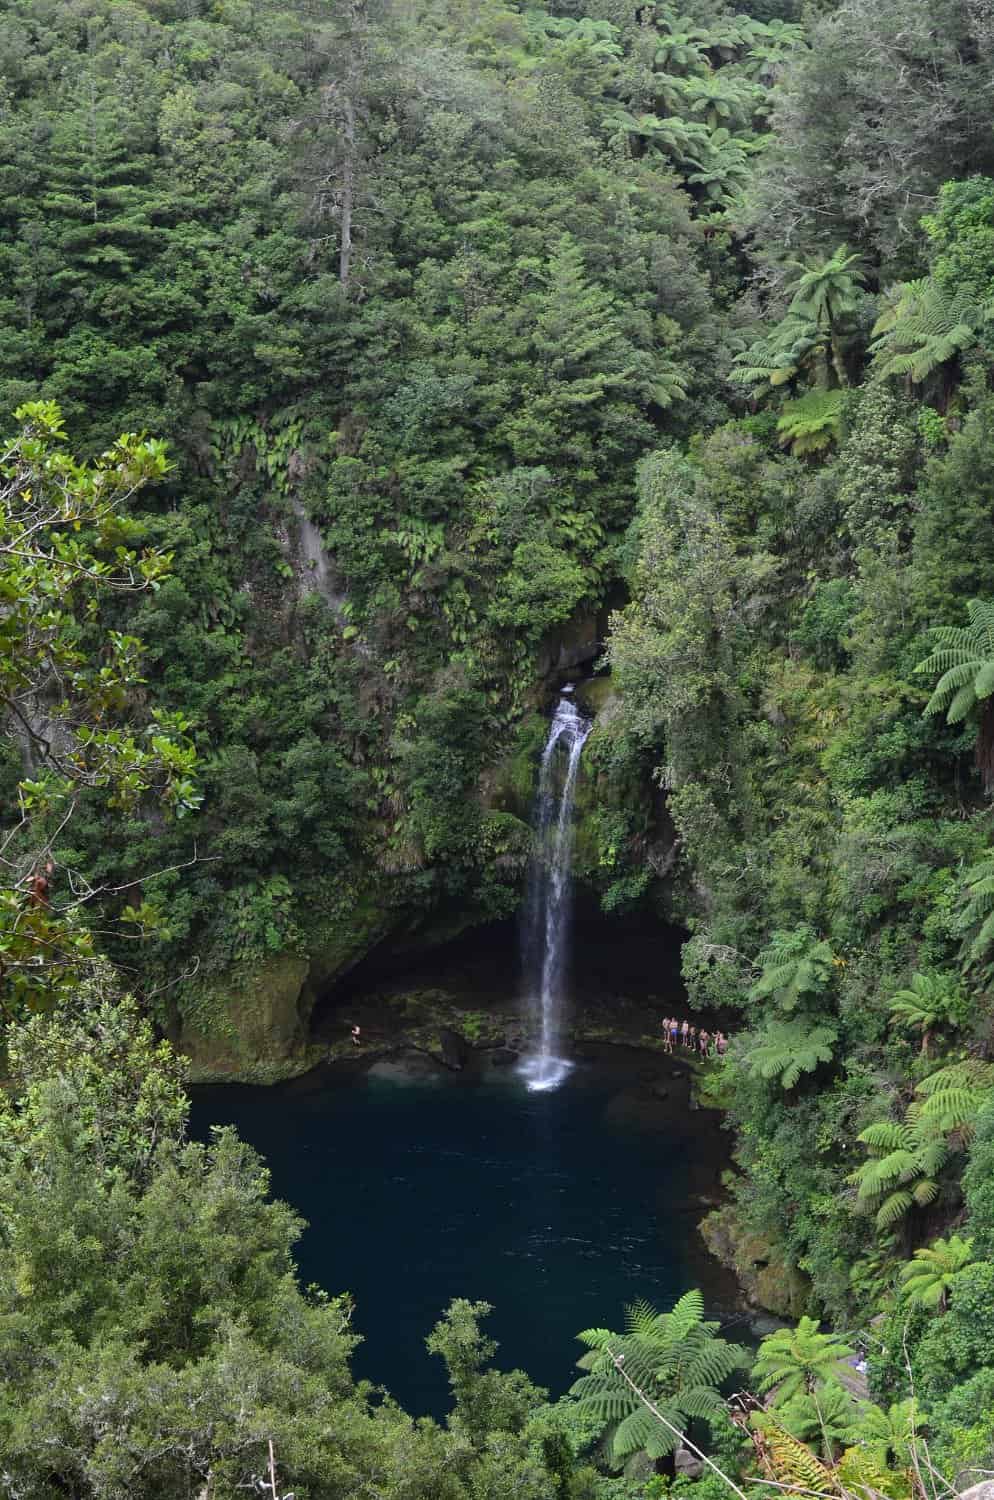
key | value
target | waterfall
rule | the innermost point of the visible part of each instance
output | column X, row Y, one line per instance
column 315, row 576
column 545, row 935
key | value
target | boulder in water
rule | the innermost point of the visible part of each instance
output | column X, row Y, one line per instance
column 688, row 1464
column 502, row 1057
column 453, row 1048
column 406, row 1067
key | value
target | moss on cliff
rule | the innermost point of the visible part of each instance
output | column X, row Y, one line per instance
column 251, row 1025
column 762, row 1271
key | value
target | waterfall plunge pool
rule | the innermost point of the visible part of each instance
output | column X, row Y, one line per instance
column 556, row 1207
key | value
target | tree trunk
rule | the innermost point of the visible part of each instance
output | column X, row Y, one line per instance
column 985, row 747
column 348, row 193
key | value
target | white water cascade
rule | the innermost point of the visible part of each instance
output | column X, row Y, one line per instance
column 545, row 935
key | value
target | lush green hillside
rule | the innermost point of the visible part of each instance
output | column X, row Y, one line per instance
column 530, row 303
column 463, row 324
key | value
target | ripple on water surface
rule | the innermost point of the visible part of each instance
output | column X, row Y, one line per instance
column 556, row 1206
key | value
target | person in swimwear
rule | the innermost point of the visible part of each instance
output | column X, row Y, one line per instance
column 684, row 1030
column 665, row 1025
column 704, row 1043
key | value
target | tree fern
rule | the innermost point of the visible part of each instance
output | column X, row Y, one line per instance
column 864, row 1476
column 924, row 325
column 811, row 423
column 828, row 1416
column 902, row 1168
column 828, row 290
column 724, row 167
column 952, row 1097
column 907, row 1156
column 674, row 1358
column 786, row 1049
column 930, row 1276
column 976, row 910
column 930, row 1000
column 888, row 1435
column 796, row 1360
column 965, row 657
column 778, row 357
column 791, row 1462
column 795, row 965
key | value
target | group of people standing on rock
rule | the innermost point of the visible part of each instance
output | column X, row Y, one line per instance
column 706, row 1043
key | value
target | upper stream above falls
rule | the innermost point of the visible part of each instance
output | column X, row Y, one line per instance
column 557, row 1207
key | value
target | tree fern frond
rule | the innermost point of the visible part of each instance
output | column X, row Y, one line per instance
column 634, row 1433
column 596, row 1338
column 925, row 1191
column 640, row 1317
column 894, row 1208
column 811, row 423
column 685, row 1313
column 886, row 1135
column 969, row 1072
column 791, row 1461
column 699, row 1403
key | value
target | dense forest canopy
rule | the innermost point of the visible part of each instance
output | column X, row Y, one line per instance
column 460, row 328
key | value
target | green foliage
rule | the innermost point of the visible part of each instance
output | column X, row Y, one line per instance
column 928, row 1279
column 978, row 1183
column 797, row 966
column 924, row 326
column 956, row 1345
column 964, row 655
column 811, row 423
column 903, row 1167
column 794, row 1464
column 673, row 1358
column 929, row 1002
column 976, row 910
column 485, row 1400
column 813, row 337
column 798, row 1360
column 889, row 1436
column 907, row 1157
column 151, row 1321
column 826, row 1419
column 786, row 1049
column 454, row 317
column 67, row 682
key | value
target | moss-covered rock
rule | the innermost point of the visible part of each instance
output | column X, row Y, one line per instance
column 252, row 1025
column 762, row 1271
column 595, row 694
column 510, row 786
column 340, row 933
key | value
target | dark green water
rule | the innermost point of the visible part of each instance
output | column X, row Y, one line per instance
column 558, row 1208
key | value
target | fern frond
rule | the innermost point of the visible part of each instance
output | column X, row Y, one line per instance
column 925, row 1192
column 640, row 1318
column 700, row 1403
column 791, row 1461
column 635, row 1433
column 894, row 1208
column 887, row 1135
column 811, row 423
column 595, row 1338
column 685, row 1313
column 969, row 1072
column 952, row 1108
